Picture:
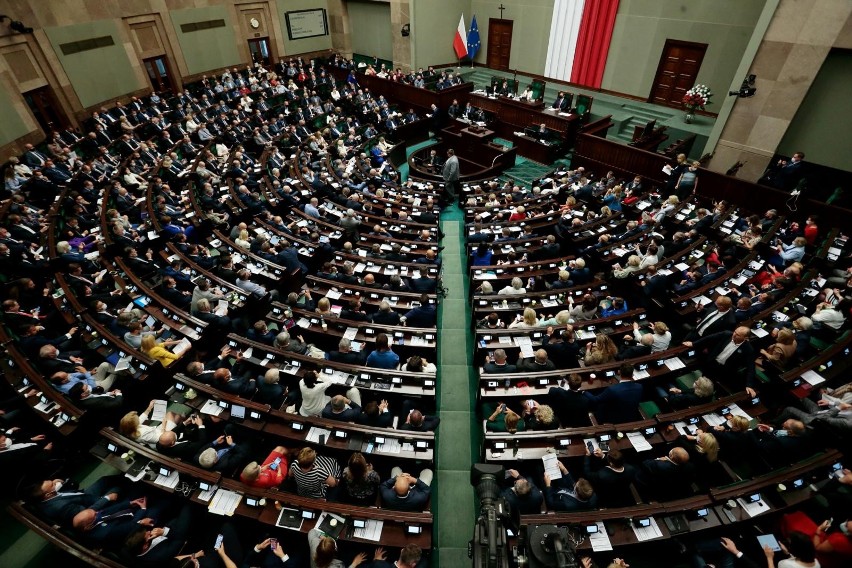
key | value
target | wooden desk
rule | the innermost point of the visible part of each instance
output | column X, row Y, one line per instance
column 518, row 115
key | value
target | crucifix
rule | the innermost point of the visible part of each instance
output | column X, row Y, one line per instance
column 501, row 7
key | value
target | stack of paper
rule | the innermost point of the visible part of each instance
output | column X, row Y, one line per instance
column 224, row 502
column 640, row 444
column 648, row 533
column 600, row 540
column 212, row 408
column 813, row 378
column 371, row 531
column 315, row 432
column 169, row 481
column 674, row 363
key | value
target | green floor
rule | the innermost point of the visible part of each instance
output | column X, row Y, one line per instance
column 458, row 441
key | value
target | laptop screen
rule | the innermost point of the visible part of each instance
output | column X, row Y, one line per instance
column 238, row 411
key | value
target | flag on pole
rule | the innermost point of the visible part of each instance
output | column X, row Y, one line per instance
column 460, row 40
column 473, row 42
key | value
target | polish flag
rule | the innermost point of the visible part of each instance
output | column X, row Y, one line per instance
column 460, row 41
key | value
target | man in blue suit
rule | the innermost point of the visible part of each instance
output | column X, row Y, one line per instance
column 620, row 402
column 60, row 506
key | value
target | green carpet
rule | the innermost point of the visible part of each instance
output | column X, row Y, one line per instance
column 453, row 504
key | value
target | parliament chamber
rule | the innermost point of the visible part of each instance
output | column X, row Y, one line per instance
column 299, row 303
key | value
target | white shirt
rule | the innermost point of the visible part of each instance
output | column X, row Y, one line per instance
column 729, row 349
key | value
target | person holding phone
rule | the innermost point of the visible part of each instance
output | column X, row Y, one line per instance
column 269, row 553
column 226, row 552
column 270, row 473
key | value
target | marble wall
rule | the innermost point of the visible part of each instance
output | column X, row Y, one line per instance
column 797, row 42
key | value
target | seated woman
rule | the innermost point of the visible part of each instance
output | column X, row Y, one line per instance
column 417, row 364
column 701, row 392
column 587, row 309
column 601, row 350
column 833, row 547
column 529, row 319
column 779, row 352
column 131, row 426
column 504, row 419
column 360, row 482
column 270, row 473
column 158, row 351
column 538, row 416
column 633, row 264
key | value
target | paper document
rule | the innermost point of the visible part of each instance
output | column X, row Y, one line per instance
column 714, row 419
column 674, row 364
column 648, row 533
column 224, row 502
column 640, row 444
column 371, row 531
column 753, row 509
column 170, row 480
column 315, row 432
column 813, row 378
column 600, row 540
column 551, row 466
column 212, row 408
column 158, row 414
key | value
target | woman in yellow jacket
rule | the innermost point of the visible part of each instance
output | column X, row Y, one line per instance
column 158, row 351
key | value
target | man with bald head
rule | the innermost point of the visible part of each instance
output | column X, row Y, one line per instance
column 404, row 492
column 538, row 363
column 184, row 440
column 724, row 354
column 667, row 477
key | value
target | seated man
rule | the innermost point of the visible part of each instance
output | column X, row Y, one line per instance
column 341, row 408
column 785, row 445
column 223, row 454
column 404, row 492
column 564, row 494
column 669, row 477
column 539, row 363
column 184, row 440
column 612, row 479
column 523, row 496
column 60, row 507
column 570, row 405
column 498, row 364
column 416, row 421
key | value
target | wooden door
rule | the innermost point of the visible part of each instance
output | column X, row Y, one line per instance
column 159, row 74
column 499, row 43
column 676, row 74
column 259, row 49
column 46, row 109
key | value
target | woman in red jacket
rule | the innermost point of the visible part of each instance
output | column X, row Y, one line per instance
column 269, row 474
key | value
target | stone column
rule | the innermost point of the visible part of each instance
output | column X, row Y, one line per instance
column 400, row 13
column 797, row 41
column 338, row 24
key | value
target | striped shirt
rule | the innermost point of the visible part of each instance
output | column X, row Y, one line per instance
column 311, row 483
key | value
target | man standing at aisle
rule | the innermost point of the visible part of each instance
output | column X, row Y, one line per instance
column 451, row 175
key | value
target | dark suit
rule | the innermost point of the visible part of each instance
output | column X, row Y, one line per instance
column 726, row 322
column 529, row 504
column 560, row 496
column 617, row 403
column 64, row 506
column 416, row 499
column 664, row 478
column 493, row 368
column 710, row 346
column 571, row 407
column 612, row 486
